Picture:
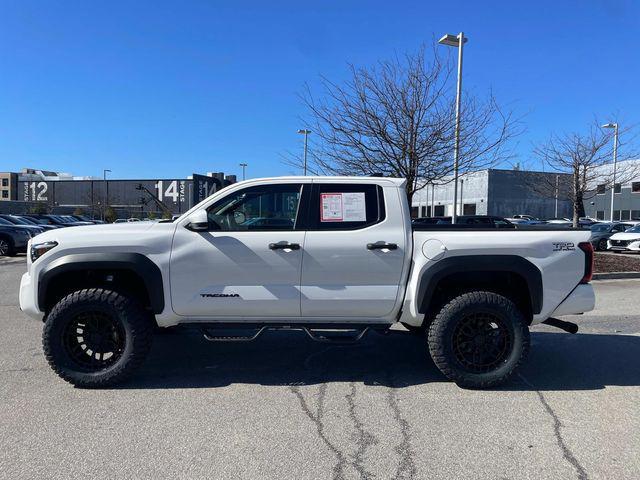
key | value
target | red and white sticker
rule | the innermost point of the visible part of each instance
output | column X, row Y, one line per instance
column 343, row 207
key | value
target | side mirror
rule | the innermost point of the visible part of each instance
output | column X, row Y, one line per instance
column 198, row 221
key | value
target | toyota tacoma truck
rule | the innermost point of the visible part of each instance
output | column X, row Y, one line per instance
column 333, row 256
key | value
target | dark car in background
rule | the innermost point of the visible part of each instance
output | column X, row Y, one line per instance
column 33, row 229
column 13, row 240
column 84, row 218
column 488, row 221
column 601, row 232
column 23, row 220
column 49, row 219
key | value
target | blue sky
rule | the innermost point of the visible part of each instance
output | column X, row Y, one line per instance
column 162, row 89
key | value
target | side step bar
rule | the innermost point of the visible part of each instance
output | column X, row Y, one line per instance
column 569, row 327
column 344, row 336
column 230, row 338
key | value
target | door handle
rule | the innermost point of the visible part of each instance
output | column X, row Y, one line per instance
column 284, row 246
column 382, row 245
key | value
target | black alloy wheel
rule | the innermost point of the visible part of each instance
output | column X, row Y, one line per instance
column 94, row 340
column 481, row 342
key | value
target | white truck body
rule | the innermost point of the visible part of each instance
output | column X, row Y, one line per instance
column 331, row 277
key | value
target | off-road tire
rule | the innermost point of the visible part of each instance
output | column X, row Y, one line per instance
column 131, row 319
column 9, row 250
column 442, row 345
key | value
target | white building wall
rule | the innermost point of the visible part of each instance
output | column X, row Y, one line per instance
column 472, row 191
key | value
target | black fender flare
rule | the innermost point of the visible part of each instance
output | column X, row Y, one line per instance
column 140, row 264
column 481, row 263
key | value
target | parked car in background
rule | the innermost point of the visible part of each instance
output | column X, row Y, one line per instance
column 84, row 218
column 560, row 221
column 601, row 232
column 585, row 222
column 18, row 220
column 32, row 229
column 72, row 220
column 13, row 240
column 628, row 240
column 487, row 221
column 526, row 219
column 49, row 219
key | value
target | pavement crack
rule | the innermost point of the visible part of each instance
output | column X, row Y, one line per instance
column 338, row 469
column 364, row 439
column 406, row 465
column 557, row 431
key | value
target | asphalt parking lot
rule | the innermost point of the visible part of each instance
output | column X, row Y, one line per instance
column 286, row 407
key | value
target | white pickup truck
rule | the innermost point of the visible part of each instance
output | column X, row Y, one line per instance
column 326, row 255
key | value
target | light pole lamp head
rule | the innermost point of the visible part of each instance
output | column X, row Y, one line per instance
column 451, row 40
column 610, row 125
column 304, row 131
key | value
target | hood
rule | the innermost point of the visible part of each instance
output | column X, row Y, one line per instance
column 95, row 231
column 625, row 236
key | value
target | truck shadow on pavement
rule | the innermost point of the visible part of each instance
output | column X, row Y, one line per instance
column 557, row 361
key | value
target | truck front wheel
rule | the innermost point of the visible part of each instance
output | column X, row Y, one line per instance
column 96, row 338
column 478, row 339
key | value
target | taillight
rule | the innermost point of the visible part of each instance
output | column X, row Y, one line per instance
column 587, row 248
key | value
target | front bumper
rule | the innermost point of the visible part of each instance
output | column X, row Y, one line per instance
column 581, row 300
column 624, row 245
column 28, row 298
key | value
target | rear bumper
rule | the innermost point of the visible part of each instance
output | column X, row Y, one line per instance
column 581, row 300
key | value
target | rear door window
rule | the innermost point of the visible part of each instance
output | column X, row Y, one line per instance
column 345, row 206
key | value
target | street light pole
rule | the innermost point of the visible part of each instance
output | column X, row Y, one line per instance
column 615, row 161
column 106, row 191
column 243, row 165
column 306, row 133
column 556, row 211
column 456, row 41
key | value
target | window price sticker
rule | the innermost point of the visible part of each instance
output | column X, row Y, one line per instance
column 343, row 207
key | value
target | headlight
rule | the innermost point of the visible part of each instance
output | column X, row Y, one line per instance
column 40, row 249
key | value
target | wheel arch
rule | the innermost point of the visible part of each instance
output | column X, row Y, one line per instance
column 506, row 274
column 92, row 269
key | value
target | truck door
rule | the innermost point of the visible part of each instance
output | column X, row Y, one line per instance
column 354, row 252
column 248, row 263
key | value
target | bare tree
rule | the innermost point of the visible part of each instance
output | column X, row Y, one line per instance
column 581, row 159
column 398, row 119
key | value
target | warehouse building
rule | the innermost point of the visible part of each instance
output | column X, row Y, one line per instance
column 64, row 193
column 497, row 192
column 625, row 191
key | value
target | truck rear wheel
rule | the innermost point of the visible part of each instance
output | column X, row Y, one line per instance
column 478, row 339
column 96, row 338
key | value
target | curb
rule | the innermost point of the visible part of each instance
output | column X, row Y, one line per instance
column 615, row 275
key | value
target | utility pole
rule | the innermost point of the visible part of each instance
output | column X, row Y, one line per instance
column 555, row 215
column 456, row 41
column 106, row 191
column 306, row 133
column 615, row 161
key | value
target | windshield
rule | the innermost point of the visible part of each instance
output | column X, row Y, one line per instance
column 635, row 229
column 600, row 227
